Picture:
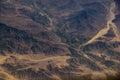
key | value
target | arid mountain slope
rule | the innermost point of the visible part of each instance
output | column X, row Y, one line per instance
column 59, row 40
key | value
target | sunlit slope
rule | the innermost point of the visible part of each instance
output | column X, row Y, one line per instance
column 4, row 75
